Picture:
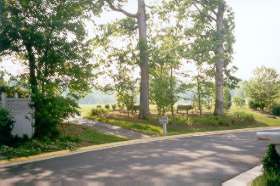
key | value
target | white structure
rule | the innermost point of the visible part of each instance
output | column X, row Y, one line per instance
column 271, row 137
column 164, row 121
column 21, row 112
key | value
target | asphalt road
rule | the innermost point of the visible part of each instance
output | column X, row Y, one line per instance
column 202, row 161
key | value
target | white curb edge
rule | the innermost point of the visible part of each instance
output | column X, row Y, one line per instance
column 245, row 178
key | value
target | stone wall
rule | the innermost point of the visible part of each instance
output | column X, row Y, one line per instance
column 21, row 112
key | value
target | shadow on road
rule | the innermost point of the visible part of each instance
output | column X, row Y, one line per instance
column 206, row 160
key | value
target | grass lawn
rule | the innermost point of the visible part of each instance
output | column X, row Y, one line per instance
column 236, row 118
column 85, row 110
column 72, row 137
column 266, row 180
column 260, row 117
column 87, row 135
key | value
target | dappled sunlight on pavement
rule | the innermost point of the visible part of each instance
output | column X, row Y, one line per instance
column 204, row 160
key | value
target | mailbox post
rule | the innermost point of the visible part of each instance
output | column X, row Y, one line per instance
column 164, row 121
column 272, row 137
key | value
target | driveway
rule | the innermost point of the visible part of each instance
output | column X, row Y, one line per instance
column 109, row 129
column 202, row 160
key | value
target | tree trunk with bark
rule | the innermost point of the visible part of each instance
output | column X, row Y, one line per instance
column 33, row 83
column 199, row 94
column 141, row 17
column 172, row 92
column 219, row 65
column 144, row 61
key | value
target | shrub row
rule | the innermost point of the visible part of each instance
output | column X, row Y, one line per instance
column 256, row 105
column 98, row 112
column 235, row 118
column 27, row 147
column 107, row 107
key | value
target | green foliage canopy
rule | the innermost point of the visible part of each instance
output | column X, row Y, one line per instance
column 264, row 86
column 49, row 37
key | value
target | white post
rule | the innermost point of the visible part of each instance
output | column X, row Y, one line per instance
column 164, row 121
column 164, row 129
column 3, row 99
column 16, row 95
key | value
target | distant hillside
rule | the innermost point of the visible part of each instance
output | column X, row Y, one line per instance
column 98, row 97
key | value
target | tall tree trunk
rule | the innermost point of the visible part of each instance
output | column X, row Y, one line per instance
column 199, row 95
column 219, row 76
column 32, row 70
column 33, row 81
column 172, row 92
column 144, row 63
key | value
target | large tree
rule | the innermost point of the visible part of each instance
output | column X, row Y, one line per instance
column 48, row 36
column 215, row 23
column 143, row 48
column 207, row 36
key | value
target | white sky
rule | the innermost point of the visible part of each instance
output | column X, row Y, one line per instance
column 257, row 34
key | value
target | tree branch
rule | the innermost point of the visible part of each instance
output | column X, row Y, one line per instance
column 118, row 9
column 210, row 18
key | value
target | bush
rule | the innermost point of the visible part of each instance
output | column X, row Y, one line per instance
column 114, row 107
column 107, row 107
column 211, row 120
column 271, row 161
column 256, row 105
column 243, row 117
column 6, row 127
column 98, row 112
column 35, row 146
column 276, row 110
column 227, row 120
column 238, row 101
column 50, row 113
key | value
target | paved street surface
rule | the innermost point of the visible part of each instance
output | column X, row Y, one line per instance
column 202, row 161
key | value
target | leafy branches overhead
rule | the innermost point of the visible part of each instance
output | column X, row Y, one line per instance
column 125, row 27
column 206, row 34
column 51, row 39
column 164, row 63
column 141, row 18
column 118, row 7
column 48, row 34
column 214, row 22
column 118, row 62
column 205, row 31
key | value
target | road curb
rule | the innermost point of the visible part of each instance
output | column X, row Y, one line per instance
column 245, row 178
column 46, row 156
